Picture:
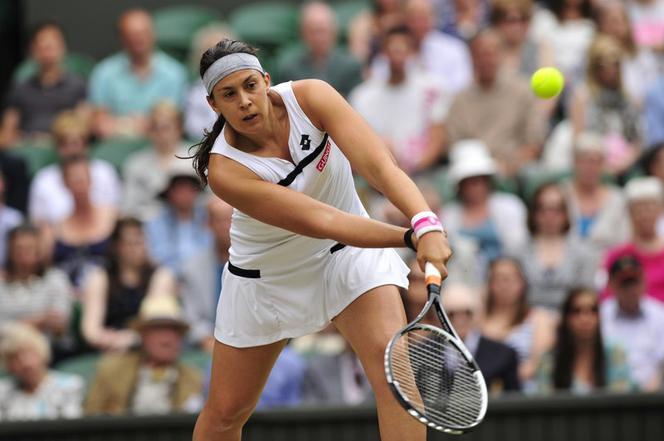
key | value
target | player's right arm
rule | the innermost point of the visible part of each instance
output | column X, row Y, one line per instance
column 282, row 207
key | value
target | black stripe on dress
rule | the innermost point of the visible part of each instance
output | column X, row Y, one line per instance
column 241, row 272
column 288, row 180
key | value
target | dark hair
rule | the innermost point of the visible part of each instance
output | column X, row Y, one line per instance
column 558, row 6
column 500, row 8
column 565, row 352
column 534, row 205
column 522, row 307
column 10, row 265
column 113, row 262
column 202, row 156
column 398, row 31
column 46, row 24
column 650, row 156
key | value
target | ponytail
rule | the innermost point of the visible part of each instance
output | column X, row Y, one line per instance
column 201, row 158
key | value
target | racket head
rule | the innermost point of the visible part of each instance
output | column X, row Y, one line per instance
column 435, row 379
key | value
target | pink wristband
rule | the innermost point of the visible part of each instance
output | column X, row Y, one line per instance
column 425, row 222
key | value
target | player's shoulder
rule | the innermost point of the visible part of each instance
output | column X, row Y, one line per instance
column 310, row 87
column 314, row 97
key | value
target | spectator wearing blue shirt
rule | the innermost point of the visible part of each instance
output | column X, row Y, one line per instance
column 180, row 230
column 202, row 276
column 125, row 86
column 654, row 113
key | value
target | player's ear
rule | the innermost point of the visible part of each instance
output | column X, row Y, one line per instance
column 211, row 102
column 266, row 77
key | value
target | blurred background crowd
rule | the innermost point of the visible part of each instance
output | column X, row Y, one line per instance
column 112, row 254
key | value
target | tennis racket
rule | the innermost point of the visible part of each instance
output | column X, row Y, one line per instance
column 432, row 374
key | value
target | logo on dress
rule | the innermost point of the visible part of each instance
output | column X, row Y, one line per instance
column 305, row 142
column 326, row 154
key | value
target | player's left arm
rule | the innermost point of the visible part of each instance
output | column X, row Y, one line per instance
column 366, row 152
column 369, row 157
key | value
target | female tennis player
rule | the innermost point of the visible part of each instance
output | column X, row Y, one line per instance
column 303, row 250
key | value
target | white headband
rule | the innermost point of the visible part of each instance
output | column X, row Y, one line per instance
column 228, row 64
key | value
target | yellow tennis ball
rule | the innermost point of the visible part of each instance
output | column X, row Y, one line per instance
column 547, row 82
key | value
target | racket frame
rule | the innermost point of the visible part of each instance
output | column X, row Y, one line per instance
column 451, row 336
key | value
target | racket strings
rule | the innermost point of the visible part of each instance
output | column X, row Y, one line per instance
column 435, row 378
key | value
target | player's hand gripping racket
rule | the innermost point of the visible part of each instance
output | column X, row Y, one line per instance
column 431, row 372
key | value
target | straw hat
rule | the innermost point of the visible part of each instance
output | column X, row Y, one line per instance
column 160, row 310
column 470, row 158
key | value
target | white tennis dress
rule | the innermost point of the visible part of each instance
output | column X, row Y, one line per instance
column 279, row 284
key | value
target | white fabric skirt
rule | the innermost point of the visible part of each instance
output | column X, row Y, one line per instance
column 256, row 310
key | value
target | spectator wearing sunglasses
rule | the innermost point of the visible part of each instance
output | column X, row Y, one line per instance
column 583, row 360
column 635, row 321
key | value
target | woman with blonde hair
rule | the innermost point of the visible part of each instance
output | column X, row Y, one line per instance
column 32, row 391
column 601, row 105
column 639, row 65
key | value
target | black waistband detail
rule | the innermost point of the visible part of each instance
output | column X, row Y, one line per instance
column 288, row 180
column 337, row 247
column 249, row 274
column 256, row 274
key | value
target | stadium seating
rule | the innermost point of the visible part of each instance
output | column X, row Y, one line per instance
column 176, row 25
column 267, row 25
column 76, row 63
column 83, row 365
column 346, row 11
column 37, row 155
column 116, row 150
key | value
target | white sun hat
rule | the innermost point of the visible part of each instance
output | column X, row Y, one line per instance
column 470, row 158
column 642, row 188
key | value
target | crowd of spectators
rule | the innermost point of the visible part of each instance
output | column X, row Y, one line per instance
column 554, row 209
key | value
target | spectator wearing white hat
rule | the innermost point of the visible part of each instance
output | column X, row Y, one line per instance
column 151, row 380
column 597, row 210
column 32, row 391
column 645, row 197
column 495, row 221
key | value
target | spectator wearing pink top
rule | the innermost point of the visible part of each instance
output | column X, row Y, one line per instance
column 644, row 196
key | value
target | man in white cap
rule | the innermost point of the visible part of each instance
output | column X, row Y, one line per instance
column 152, row 379
column 645, row 196
column 597, row 210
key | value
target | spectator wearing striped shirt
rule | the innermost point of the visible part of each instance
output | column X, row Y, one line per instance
column 30, row 290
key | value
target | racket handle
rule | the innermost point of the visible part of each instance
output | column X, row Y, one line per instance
column 431, row 274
